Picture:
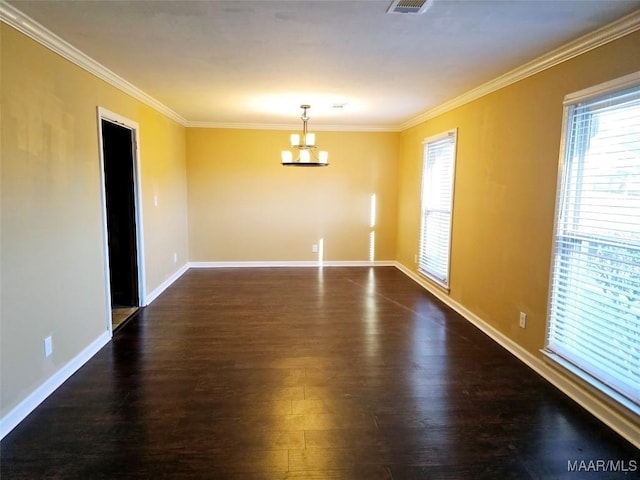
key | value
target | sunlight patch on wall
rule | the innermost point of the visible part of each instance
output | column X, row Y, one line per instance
column 321, row 252
column 373, row 206
column 372, row 246
column 373, row 211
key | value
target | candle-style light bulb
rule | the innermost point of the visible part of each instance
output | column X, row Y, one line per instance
column 310, row 139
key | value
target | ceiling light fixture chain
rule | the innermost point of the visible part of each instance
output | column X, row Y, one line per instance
column 305, row 144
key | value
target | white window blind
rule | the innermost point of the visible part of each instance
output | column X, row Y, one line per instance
column 437, row 201
column 594, row 307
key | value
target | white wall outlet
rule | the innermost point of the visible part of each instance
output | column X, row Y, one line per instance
column 523, row 320
column 314, row 248
column 175, row 257
column 48, row 346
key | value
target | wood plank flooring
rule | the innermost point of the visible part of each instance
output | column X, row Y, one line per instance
column 119, row 315
column 327, row 374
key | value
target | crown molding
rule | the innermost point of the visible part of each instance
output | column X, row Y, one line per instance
column 628, row 81
column 613, row 31
column 281, row 126
column 26, row 25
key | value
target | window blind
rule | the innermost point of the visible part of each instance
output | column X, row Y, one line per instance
column 437, row 199
column 594, row 306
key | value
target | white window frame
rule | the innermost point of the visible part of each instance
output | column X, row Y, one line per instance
column 555, row 350
column 438, row 276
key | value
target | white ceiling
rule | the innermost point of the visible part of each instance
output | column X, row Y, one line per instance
column 255, row 62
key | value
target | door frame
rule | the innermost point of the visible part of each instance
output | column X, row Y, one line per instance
column 104, row 114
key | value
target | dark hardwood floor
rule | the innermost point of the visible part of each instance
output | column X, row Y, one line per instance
column 340, row 373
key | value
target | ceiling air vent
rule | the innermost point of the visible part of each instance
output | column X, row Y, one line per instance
column 409, row 6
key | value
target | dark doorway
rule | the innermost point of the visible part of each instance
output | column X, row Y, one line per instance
column 119, row 178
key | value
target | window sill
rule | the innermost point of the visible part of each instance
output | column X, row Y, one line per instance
column 604, row 392
column 433, row 280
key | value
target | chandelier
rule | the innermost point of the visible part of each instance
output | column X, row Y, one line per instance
column 305, row 144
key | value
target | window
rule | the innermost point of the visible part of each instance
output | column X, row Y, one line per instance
column 437, row 202
column 594, row 304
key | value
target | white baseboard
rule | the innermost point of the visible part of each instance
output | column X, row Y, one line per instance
column 24, row 408
column 613, row 419
column 155, row 293
column 312, row 263
column 595, row 406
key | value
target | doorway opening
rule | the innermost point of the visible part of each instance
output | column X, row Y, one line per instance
column 118, row 138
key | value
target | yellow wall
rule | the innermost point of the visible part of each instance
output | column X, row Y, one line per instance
column 245, row 206
column 164, row 196
column 226, row 192
column 53, row 279
column 505, row 189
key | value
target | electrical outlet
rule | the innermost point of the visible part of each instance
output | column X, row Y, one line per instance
column 314, row 248
column 523, row 320
column 175, row 257
column 48, row 346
